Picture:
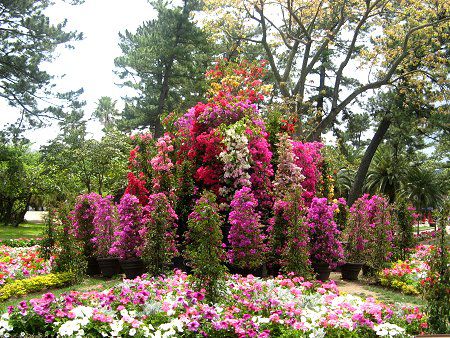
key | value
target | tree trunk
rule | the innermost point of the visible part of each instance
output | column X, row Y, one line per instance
column 357, row 186
column 159, row 130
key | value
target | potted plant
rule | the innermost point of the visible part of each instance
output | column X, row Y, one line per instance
column 325, row 249
column 159, row 232
column 105, row 225
column 83, row 228
column 246, row 239
column 355, row 238
column 128, row 240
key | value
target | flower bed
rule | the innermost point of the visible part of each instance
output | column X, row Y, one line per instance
column 20, row 263
column 249, row 307
column 407, row 275
column 20, row 242
column 425, row 235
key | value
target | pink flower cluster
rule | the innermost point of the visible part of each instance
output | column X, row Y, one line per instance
column 309, row 159
column 324, row 234
column 246, row 236
column 128, row 240
column 161, row 163
column 105, row 226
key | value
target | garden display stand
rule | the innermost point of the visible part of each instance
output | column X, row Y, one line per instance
column 93, row 268
column 132, row 267
column 322, row 270
column 350, row 271
column 109, row 266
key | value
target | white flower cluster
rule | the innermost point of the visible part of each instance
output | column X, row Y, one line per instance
column 236, row 158
column 388, row 330
column 74, row 327
column 5, row 326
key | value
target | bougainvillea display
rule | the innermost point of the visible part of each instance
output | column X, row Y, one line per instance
column 222, row 145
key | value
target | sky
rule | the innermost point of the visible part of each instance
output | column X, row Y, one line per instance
column 91, row 64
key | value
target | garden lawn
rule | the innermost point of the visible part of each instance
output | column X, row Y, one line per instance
column 24, row 230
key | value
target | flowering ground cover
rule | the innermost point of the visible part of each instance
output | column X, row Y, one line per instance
column 21, row 262
column 249, row 307
column 408, row 275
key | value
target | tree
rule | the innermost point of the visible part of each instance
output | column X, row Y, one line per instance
column 106, row 112
column 407, row 115
column 27, row 40
column 77, row 163
column 164, row 61
column 304, row 39
column 21, row 175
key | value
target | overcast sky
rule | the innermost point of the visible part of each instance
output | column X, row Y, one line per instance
column 90, row 65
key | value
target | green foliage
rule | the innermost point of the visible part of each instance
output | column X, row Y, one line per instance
column 404, row 237
column 204, row 250
column 75, row 163
column 22, row 176
column 160, row 234
column 21, row 287
column 169, row 55
column 60, row 241
column 437, row 290
column 27, row 40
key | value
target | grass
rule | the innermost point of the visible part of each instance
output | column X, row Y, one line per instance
column 390, row 296
column 88, row 284
column 24, row 230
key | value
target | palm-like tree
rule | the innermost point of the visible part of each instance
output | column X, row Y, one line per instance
column 343, row 181
column 386, row 174
column 424, row 188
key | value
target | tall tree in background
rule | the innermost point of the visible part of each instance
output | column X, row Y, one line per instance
column 314, row 46
column 164, row 61
column 27, row 40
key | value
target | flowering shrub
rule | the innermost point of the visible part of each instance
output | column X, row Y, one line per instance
column 105, row 226
column 381, row 232
column 20, row 242
column 287, row 181
column 162, row 165
column 325, row 246
column 61, row 243
column 404, row 239
column 20, row 287
column 204, row 250
column 159, row 234
column 20, row 263
column 128, row 240
column 83, row 221
column 408, row 275
column 425, row 235
column 309, row 159
column 295, row 254
column 139, row 166
column 369, row 233
column 253, row 307
column 437, row 283
column 246, row 236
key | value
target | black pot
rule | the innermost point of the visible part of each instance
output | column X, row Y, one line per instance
column 109, row 266
column 322, row 270
column 93, row 268
column 350, row 271
column 132, row 267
